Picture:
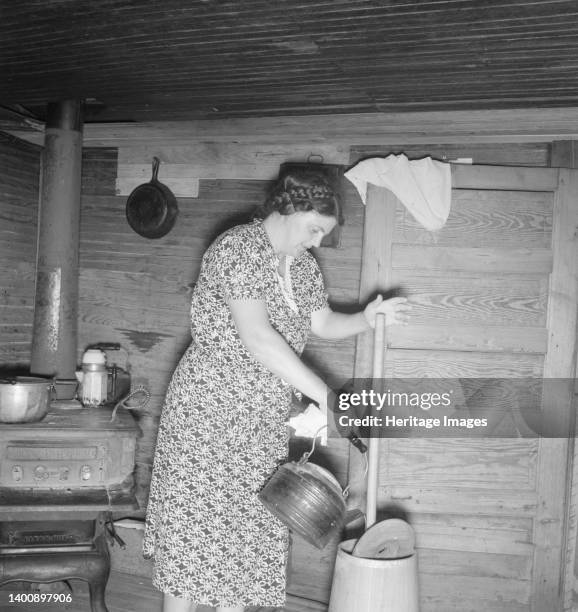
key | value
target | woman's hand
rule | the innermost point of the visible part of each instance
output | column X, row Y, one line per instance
column 395, row 309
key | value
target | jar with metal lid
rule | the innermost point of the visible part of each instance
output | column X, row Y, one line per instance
column 93, row 378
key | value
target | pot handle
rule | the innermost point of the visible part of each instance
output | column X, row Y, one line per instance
column 357, row 442
column 353, row 515
column 352, row 437
column 105, row 346
column 306, row 455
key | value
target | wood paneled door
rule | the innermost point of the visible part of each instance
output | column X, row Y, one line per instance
column 494, row 296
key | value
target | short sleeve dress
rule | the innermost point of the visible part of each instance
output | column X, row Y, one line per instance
column 223, row 432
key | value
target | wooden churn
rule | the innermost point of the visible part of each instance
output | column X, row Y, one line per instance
column 373, row 585
column 378, row 572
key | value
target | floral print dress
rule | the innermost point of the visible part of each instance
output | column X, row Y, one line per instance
column 223, row 432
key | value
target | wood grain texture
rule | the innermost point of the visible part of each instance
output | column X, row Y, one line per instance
column 375, row 278
column 383, row 129
column 570, row 579
column 474, row 338
column 98, row 170
column 19, row 178
column 495, row 260
column 564, row 154
column 503, row 464
column 137, row 291
column 472, row 593
column 469, row 288
column 503, row 154
column 180, row 187
column 264, row 59
column 461, row 500
column 473, row 299
column 486, row 218
column 442, row 562
column 500, row 177
column 232, row 154
column 454, row 364
column 310, row 570
column 560, row 362
column 183, row 166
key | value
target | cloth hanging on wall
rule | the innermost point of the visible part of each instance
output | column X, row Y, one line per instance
column 423, row 186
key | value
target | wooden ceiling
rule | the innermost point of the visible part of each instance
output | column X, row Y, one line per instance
column 198, row 59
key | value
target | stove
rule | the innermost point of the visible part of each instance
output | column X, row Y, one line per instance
column 61, row 481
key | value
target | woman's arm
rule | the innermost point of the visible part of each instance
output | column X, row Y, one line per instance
column 269, row 348
column 331, row 325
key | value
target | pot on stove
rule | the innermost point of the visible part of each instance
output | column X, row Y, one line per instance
column 24, row 399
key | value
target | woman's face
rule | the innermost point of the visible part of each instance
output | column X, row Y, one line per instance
column 305, row 230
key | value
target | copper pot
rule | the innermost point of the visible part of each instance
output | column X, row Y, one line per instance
column 308, row 499
column 24, row 399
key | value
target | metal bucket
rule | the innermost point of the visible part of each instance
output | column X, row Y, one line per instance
column 308, row 499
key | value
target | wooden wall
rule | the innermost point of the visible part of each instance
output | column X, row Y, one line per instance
column 136, row 291
column 19, row 177
column 479, row 505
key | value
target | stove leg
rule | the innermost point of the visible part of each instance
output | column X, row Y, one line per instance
column 97, row 596
column 99, row 577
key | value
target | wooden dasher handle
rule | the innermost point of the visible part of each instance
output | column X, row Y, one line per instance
column 379, row 345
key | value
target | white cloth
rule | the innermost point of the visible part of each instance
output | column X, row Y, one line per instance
column 423, row 186
column 310, row 423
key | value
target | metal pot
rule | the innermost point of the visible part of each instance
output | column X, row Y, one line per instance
column 24, row 399
column 151, row 209
column 307, row 498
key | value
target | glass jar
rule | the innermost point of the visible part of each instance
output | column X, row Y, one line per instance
column 94, row 379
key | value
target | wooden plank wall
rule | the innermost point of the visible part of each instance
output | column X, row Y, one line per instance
column 477, row 327
column 462, row 496
column 136, row 291
column 19, row 178
column 564, row 154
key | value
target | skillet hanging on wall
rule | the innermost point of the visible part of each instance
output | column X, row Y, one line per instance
column 151, row 208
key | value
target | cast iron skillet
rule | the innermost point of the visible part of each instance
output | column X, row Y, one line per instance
column 151, row 209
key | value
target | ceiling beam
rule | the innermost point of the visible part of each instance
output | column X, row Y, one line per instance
column 512, row 125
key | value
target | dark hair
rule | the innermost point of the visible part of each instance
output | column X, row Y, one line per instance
column 300, row 191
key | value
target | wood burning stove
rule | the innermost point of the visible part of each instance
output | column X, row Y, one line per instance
column 62, row 477
column 61, row 481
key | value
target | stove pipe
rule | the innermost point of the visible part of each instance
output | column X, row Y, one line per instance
column 54, row 333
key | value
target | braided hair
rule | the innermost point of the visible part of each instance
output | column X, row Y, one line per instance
column 301, row 190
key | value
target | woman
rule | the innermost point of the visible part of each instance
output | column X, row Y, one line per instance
column 223, row 427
